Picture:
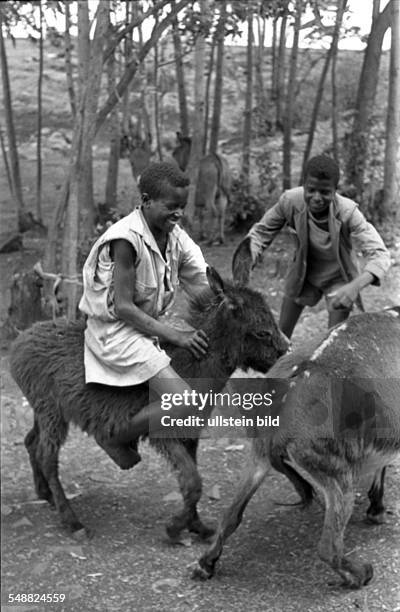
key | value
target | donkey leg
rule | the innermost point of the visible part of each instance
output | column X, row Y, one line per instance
column 41, row 485
column 339, row 500
column 232, row 517
column 52, row 435
column 190, row 485
column 195, row 524
column 376, row 511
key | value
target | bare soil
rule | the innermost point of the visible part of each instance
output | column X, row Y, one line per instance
column 270, row 564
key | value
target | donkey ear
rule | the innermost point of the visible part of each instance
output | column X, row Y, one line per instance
column 215, row 281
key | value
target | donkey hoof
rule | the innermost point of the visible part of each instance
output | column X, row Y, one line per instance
column 356, row 575
column 376, row 519
column 200, row 574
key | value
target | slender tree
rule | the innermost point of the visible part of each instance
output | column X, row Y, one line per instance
column 341, row 7
column 216, row 117
column 12, row 141
column 180, row 77
column 358, row 142
column 68, row 58
column 288, row 118
column 39, row 120
column 245, row 171
column 196, row 149
column 281, row 65
column 391, row 188
column 209, row 73
column 115, row 139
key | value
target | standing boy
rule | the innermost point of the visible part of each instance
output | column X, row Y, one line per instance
column 328, row 229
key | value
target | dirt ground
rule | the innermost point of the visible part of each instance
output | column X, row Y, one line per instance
column 269, row 565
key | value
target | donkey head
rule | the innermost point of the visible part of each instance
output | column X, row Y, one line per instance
column 241, row 324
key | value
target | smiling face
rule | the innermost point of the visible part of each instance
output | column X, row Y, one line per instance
column 162, row 214
column 318, row 194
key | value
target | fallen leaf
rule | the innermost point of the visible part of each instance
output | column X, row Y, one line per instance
column 77, row 556
column 23, row 522
column 234, row 447
column 214, row 492
column 173, row 496
column 72, row 549
column 95, row 575
column 164, row 583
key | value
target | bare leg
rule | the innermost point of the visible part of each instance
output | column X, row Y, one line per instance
column 376, row 510
column 233, row 516
column 339, row 500
column 148, row 420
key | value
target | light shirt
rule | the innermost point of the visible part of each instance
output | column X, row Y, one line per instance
column 115, row 352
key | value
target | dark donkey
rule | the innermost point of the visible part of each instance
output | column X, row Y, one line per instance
column 47, row 364
column 339, row 411
column 213, row 187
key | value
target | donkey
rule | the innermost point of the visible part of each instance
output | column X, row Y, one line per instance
column 47, row 363
column 213, row 187
column 339, row 416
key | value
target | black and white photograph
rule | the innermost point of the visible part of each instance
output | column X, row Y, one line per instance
column 200, row 313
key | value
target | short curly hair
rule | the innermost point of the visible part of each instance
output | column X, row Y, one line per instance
column 158, row 175
column 323, row 167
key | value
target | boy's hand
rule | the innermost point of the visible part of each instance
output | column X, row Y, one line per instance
column 195, row 341
column 345, row 296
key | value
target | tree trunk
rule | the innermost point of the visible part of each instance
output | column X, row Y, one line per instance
column 216, row 117
column 358, row 147
column 113, row 155
column 245, row 171
column 196, row 148
column 129, row 12
column 68, row 59
column 260, row 88
column 210, row 71
column 287, row 126
column 137, row 61
column 156, row 100
column 280, row 67
column 180, row 77
column 39, row 121
column 341, row 7
column 274, row 72
column 391, row 184
column 9, row 120
column 83, row 44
